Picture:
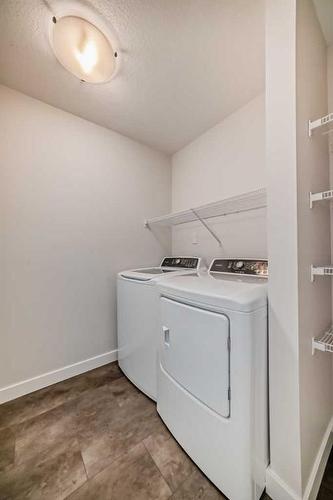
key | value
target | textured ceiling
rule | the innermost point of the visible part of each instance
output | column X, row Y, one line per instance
column 324, row 10
column 183, row 64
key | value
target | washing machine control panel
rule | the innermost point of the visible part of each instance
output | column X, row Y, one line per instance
column 248, row 267
column 183, row 262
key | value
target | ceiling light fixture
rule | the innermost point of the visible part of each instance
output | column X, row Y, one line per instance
column 83, row 49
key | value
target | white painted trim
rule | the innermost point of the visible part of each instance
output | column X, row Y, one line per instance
column 318, row 469
column 278, row 490
column 33, row 384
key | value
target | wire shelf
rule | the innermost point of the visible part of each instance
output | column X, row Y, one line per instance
column 252, row 200
column 324, row 342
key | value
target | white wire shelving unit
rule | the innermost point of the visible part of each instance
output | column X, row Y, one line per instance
column 246, row 202
column 325, row 120
column 323, row 342
column 321, row 270
column 316, row 197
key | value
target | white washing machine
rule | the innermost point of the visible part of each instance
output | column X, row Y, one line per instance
column 212, row 384
column 137, row 317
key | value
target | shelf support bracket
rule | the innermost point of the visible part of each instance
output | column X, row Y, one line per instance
column 317, row 346
column 323, row 342
column 324, row 195
column 320, row 122
column 204, row 223
column 312, row 274
column 321, row 271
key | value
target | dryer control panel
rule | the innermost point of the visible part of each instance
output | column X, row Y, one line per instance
column 181, row 262
column 248, row 267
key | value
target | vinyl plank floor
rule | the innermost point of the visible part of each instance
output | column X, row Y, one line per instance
column 133, row 476
column 53, row 478
column 7, row 448
column 36, row 403
column 97, row 437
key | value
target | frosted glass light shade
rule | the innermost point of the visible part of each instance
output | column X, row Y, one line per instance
column 83, row 49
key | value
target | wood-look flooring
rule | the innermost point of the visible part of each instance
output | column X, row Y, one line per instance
column 96, row 437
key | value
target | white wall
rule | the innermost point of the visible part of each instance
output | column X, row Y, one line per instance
column 73, row 199
column 313, row 236
column 330, row 137
column 330, row 98
column 300, row 384
column 330, row 80
column 225, row 161
column 284, row 473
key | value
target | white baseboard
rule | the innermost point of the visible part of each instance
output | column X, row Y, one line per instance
column 318, row 469
column 277, row 489
column 33, row 384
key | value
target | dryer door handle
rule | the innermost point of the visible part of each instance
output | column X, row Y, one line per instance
column 166, row 333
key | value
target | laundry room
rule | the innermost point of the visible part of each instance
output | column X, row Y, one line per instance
column 165, row 249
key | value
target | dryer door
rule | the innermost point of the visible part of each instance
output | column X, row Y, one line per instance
column 195, row 352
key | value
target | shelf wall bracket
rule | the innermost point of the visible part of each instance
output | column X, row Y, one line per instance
column 320, row 122
column 317, row 346
column 323, row 342
column 312, row 274
column 324, row 195
column 321, row 271
column 204, row 223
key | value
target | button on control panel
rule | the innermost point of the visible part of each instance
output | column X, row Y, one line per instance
column 183, row 262
column 248, row 267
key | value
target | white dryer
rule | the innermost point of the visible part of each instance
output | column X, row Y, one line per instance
column 137, row 318
column 212, row 384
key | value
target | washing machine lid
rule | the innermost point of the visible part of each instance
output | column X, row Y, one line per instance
column 179, row 265
column 241, row 293
column 146, row 274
